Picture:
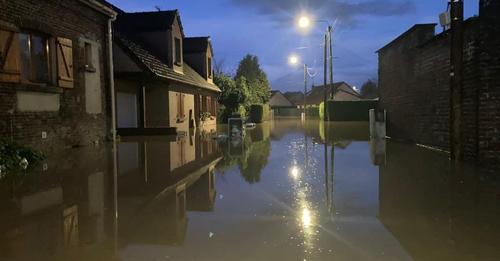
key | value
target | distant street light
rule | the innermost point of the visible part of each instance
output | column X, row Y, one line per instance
column 294, row 60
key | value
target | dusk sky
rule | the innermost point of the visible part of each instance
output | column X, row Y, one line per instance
column 266, row 28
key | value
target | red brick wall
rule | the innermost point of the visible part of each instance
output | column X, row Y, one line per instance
column 71, row 125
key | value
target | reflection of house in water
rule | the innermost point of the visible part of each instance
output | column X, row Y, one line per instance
column 47, row 214
column 159, row 181
column 435, row 213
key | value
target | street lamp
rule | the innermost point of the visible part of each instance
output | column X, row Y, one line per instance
column 304, row 22
column 294, row 60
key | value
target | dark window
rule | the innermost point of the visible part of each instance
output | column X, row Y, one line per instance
column 209, row 67
column 34, row 57
column 180, row 107
column 178, row 51
column 89, row 65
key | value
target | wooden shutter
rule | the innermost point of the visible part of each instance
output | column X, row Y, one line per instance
column 65, row 63
column 9, row 56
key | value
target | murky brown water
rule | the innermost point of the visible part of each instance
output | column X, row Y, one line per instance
column 281, row 194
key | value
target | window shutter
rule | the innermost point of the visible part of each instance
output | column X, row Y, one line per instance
column 65, row 63
column 9, row 56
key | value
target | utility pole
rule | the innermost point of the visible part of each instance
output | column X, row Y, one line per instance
column 325, row 95
column 330, row 30
column 305, row 90
column 456, row 79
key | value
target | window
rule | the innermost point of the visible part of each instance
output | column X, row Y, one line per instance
column 89, row 63
column 178, row 52
column 180, row 107
column 210, row 71
column 34, row 49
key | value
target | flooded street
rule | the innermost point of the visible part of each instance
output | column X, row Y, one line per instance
column 286, row 192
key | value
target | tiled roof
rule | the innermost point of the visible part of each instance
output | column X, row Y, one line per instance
column 160, row 69
column 279, row 100
column 316, row 95
column 295, row 97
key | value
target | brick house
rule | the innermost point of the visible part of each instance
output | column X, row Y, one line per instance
column 54, row 72
column 164, row 80
column 414, row 85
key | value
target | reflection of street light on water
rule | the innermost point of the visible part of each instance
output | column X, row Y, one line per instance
column 295, row 172
column 306, row 218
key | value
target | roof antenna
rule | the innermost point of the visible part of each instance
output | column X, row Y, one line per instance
column 157, row 8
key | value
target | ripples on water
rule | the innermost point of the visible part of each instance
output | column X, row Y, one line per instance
column 288, row 191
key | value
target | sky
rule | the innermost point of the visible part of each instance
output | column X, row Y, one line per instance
column 267, row 28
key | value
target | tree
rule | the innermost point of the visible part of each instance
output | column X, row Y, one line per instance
column 256, row 80
column 234, row 94
column 369, row 90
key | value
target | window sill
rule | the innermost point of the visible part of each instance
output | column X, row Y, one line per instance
column 38, row 87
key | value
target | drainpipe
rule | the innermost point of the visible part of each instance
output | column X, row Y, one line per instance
column 111, row 77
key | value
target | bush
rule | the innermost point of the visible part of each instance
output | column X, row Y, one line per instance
column 350, row 110
column 259, row 113
column 312, row 111
column 15, row 158
column 322, row 110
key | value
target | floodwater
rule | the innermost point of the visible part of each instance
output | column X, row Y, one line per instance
column 288, row 191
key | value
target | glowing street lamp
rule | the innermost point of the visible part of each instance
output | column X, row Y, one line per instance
column 304, row 22
column 293, row 59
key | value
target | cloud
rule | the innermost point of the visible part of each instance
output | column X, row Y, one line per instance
column 347, row 12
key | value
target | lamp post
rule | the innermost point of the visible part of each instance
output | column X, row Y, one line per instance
column 294, row 60
column 304, row 22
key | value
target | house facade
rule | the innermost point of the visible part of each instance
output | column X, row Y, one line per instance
column 342, row 91
column 414, row 86
column 162, row 78
column 278, row 100
column 54, row 72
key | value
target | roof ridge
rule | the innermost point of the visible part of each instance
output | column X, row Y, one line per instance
column 153, row 12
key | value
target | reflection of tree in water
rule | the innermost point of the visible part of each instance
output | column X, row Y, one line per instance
column 255, row 160
column 256, row 148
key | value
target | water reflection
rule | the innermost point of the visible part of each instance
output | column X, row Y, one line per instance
column 290, row 191
column 250, row 155
column 161, row 179
column 50, row 212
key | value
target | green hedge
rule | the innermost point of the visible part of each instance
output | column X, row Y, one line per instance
column 350, row 110
column 259, row 113
column 287, row 112
column 312, row 111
